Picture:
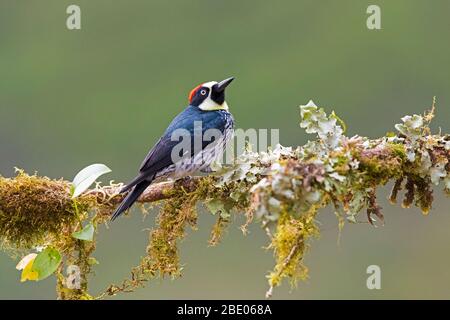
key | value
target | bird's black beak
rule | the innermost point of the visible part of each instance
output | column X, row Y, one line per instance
column 223, row 84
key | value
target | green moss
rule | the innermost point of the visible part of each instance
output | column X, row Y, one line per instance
column 382, row 165
column 218, row 230
column 162, row 258
column 34, row 209
column 163, row 246
column 289, row 244
column 398, row 150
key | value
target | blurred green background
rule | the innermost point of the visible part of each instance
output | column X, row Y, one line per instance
column 106, row 92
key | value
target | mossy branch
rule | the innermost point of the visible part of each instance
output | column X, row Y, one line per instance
column 283, row 189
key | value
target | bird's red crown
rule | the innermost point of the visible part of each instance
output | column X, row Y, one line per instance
column 193, row 92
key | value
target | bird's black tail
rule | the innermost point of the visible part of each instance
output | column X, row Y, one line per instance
column 131, row 197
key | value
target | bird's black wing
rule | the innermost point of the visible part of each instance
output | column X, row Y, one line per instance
column 157, row 159
column 160, row 156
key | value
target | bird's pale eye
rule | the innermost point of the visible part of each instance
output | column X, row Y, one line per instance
column 203, row 92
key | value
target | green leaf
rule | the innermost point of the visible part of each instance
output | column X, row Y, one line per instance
column 92, row 261
column 46, row 262
column 390, row 134
column 86, row 177
column 220, row 207
column 214, row 206
column 86, row 234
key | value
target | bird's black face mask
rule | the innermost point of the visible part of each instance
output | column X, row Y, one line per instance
column 199, row 96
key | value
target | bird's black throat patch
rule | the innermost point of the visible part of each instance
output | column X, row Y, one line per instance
column 217, row 96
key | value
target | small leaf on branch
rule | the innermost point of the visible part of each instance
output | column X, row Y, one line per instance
column 25, row 265
column 25, row 261
column 86, row 234
column 86, row 177
column 46, row 262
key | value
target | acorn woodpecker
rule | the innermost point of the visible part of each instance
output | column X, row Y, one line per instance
column 194, row 139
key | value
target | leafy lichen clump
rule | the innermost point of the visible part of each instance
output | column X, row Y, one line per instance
column 289, row 185
column 283, row 188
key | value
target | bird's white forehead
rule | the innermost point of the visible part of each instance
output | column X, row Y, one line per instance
column 209, row 84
